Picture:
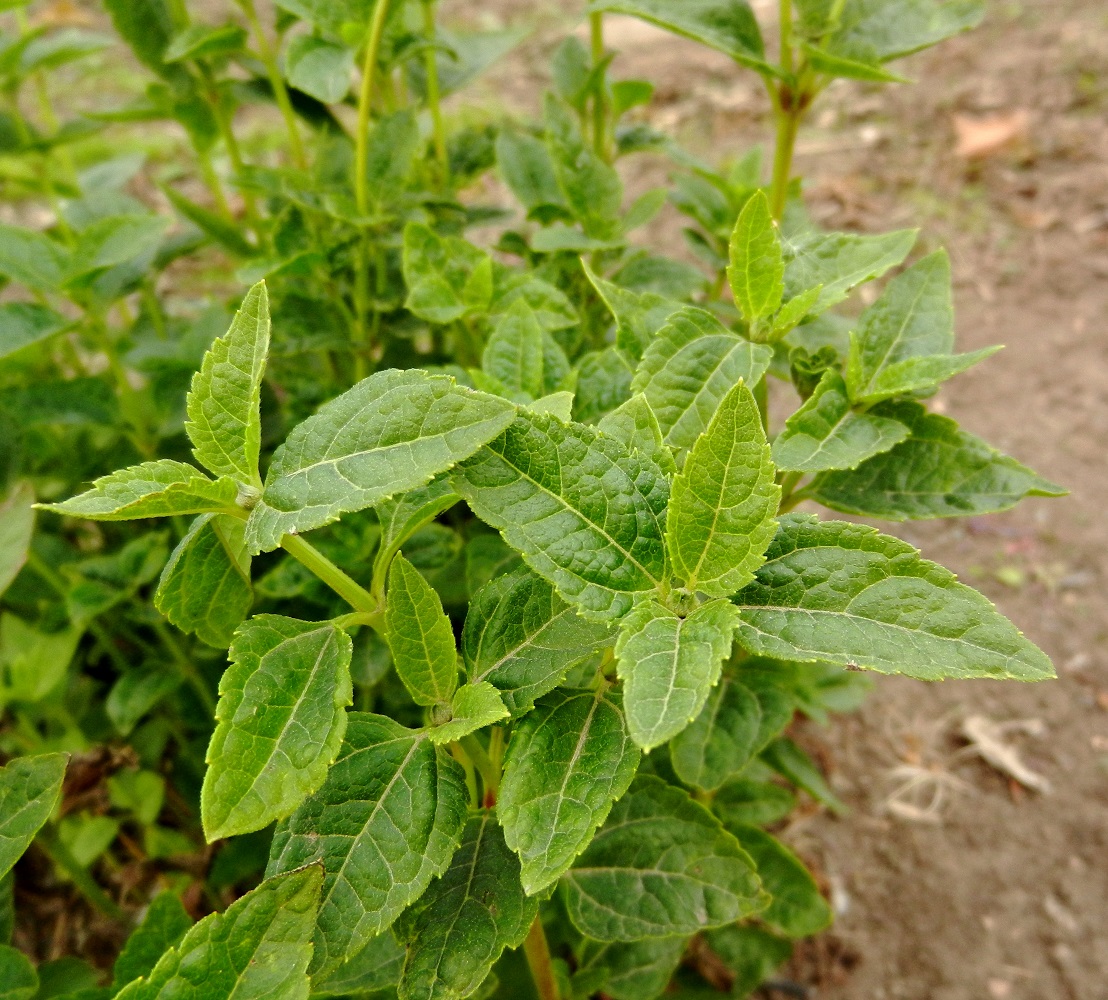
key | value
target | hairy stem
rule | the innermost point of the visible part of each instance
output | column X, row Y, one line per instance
column 787, row 112
column 434, row 100
column 537, row 951
column 600, row 98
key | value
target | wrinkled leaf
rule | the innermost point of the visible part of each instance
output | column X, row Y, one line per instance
column 473, row 707
column 420, row 636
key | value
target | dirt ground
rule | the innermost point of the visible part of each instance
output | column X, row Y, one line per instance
column 967, row 885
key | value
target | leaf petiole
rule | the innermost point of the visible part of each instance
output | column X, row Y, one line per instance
column 342, row 584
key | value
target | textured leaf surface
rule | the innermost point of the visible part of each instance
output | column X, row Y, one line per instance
column 152, row 489
column 446, row 277
column 796, row 908
column 513, row 354
column 661, row 865
column 165, row 923
column 884, row 30
column 634, row 424
column 585, row 512
column 420, row 636
column 280, row 722
column 756, row 270
column 828, row 433
column 603, row 382
column 385, row 822
column 721, row 515
column 726, row 25
column 257, row 950
column 638, row 315
column 466, row 919
column 521, row 637
column 29, row 790
column 389, row 434
column 205, row 587
column 842, row 592
column 402, row 516
column 721, row 740
column 841, row 261
column 669, row 664
column 637, row 970
column 473, row 707
column 567, row 762
column 940, row 471
column 17, row 524
column 224, row 403
column 688, row 369
column 750, row 802
column 376, row 967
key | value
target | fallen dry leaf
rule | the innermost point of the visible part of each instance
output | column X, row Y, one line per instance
column 980, row 137
column 987, row 738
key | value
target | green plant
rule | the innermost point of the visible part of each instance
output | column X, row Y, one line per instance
column 546, row 466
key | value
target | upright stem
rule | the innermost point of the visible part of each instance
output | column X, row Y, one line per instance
column 431, row 67
column 365, row 105
column 788, row 121
column 277, row 82
column 537, row 952
column 227, row 132
column 600, row 98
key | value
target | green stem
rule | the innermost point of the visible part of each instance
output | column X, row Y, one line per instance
column 211, row 179
column 227, row 133
column 537, row 952
column 365, row 106
column 785, row 16
column 345, row 586
column 788, row 485
column 186, row 666
column 51, row 843
column 490, row 773
column 788, row 121
column 467, row 766
column 129, row 401
column 431, row 67
column 277, row 82
column 600, row 98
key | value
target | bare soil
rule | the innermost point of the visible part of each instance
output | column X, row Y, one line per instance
column 991, row 891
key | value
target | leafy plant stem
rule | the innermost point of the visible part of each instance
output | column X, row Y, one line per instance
column 788, row 121
column 490, row 774
column 227, row 132
column 433, row 96
column 277, row 82
column 537, row 951
column 211, row 179
column 467, row 766
column 88, row 887
column 600, row 102
column 788, row 484
column 365, row 105
column 345, row 586
column 186, row 666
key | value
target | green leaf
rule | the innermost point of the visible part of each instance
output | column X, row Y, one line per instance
column 840, row 262
column 688, row 369
column 165, row 923
column 796, row 908
column 402, row 516
column 584, row 511
column 636, row 970
column 420, row 636
column 828, row 433
column 458, row 930
column 514, row 353
column 861, row 65
column 721, row 514
column 793, row 312
column 33, row 663
column 17, row 524
column 883, row 30
column 722, row 739
column 567, row 762
column 258, row 949
column 790, row 761
column 390, row 433
column 204, row 41
column 634, row 424
column 638, row 315
column 154, row 489
column 29, row 790
column 603, row 383
column 18, row 979
column 757, row 268
column 376, row 967
column 662, row 865
column 31, row 258
column 940, row 471
column 224, row 414
column 919, row 375
column 25, row 323
column 447, row 277
column 211, row 224
column 557, row 404
column 551, row 306
column 728, row 26
column 842, row 592
column 280, row 722
column 473, row 707
column 205, row 586
column 522, row 638
column 528, row 170
column 385, row 822
column 111, row 242
column 669, row 664
column 746, row 801
column 752, row 953
column 319, row 68
column 146, row 26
